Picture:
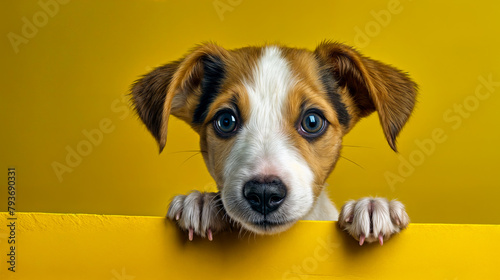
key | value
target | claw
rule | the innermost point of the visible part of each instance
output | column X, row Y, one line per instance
column 381, row 239
column 190, row 234
column 209, row 235
column 177, row 216
column 361, row 239
column 348, row 220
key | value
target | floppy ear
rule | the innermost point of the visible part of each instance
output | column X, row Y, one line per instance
column 176, row 88
column 371, row 85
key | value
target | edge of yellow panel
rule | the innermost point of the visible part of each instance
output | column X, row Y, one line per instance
column 82, row 246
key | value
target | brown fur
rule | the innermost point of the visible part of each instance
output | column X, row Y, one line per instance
column 372, row 85
column 179, row 80
column 321, row 153
column 239, row 68
column 219, row 149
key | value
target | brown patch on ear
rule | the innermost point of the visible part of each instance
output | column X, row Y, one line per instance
column 372, row 85
column 148, row 96
column 153, row 95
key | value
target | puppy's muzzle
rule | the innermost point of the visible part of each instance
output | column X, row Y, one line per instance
column 265, row 195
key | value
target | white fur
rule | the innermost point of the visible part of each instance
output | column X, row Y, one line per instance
column 323, row 209
column 262, row 147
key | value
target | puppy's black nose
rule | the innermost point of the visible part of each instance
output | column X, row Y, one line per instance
column 266, row 195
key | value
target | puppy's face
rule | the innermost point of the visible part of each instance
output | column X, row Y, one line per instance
column 271, row 119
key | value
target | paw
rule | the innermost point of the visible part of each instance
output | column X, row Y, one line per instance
column 199, row 213
column 371, row 219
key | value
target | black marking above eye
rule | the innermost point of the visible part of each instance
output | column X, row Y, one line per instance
column 214, row 73
column 330, row 85
column 312, row 125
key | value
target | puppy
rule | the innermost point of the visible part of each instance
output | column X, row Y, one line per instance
column 271, row 121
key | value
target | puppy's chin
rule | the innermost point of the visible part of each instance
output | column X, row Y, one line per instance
column 266, row 227
column 260, row 224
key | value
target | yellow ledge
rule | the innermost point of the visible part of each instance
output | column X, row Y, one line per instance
column 68, row 246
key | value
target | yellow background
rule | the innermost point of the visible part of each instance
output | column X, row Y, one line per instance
column 72, row 75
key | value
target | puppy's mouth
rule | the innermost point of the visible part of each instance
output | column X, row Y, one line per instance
column 267, row 226
column 265, row 223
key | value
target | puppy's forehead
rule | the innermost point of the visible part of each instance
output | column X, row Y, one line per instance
column 270, row 82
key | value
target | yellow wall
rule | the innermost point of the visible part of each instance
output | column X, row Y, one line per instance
column 66, row 67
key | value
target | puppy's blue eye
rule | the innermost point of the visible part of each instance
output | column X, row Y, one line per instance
column 312, row 124
column 225, row 123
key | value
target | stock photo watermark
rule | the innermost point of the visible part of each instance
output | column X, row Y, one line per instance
column 454, row 117
column 75, row 154
column 223, row 6
column 31, row 25
column 323, row 250
column 121, row 275
column 11, row 224
column 380, row 20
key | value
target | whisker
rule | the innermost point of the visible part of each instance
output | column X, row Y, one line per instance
column 190, row 158
column 355, row 146
column 218, row 212
column 221, row 209
column 241, row 234
column 187, row 151
column 214, row 199
column 352, row 162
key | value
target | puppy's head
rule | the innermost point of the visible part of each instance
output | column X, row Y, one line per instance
column 271, row 119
